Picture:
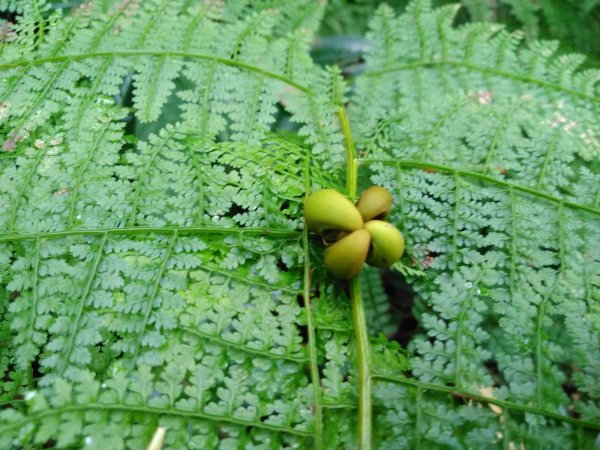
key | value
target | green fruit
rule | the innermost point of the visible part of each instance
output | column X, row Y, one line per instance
column 374, row 203
column 345, row 258
column 387, row 243
column 329, row 210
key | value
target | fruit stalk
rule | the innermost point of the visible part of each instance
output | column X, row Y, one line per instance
column 359, row 320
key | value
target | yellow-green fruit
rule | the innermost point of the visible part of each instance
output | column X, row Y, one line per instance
column 345, row 258
column 329, row 210
column 387, row 243
column 374, row 203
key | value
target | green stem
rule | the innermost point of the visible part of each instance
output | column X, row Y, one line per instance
column 351, row 159
column 365, row 402
column 312, row 335
column 484, row 178
column 38, row 416
column 312, row 340
column 150, row 230
column 473, row 396
column 365, row 384
column 155, row 53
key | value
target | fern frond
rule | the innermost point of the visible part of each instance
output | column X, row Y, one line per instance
column 161, row 277
column 317, row 115
column 377, row 304
column 505, row 243
column 528, row 117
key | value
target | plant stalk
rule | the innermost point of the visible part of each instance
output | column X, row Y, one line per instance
column 365, row 383
column 312, row 337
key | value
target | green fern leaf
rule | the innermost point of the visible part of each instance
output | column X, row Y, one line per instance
column 162, row 276
column 488, row 164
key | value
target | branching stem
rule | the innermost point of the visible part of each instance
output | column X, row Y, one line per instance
column 365, row 403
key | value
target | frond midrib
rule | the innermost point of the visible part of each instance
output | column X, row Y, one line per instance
column 161, row 54
column 143, row 409
column 488, row 70
column 147, row 230
column 457, row 392
column 483, row 177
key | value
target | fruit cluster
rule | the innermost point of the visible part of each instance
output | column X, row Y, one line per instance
column 358, row 231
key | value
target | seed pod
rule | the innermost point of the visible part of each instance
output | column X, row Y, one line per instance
column 387, row 243
column 329, row 210
column 374, row 203
column 345, row 258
